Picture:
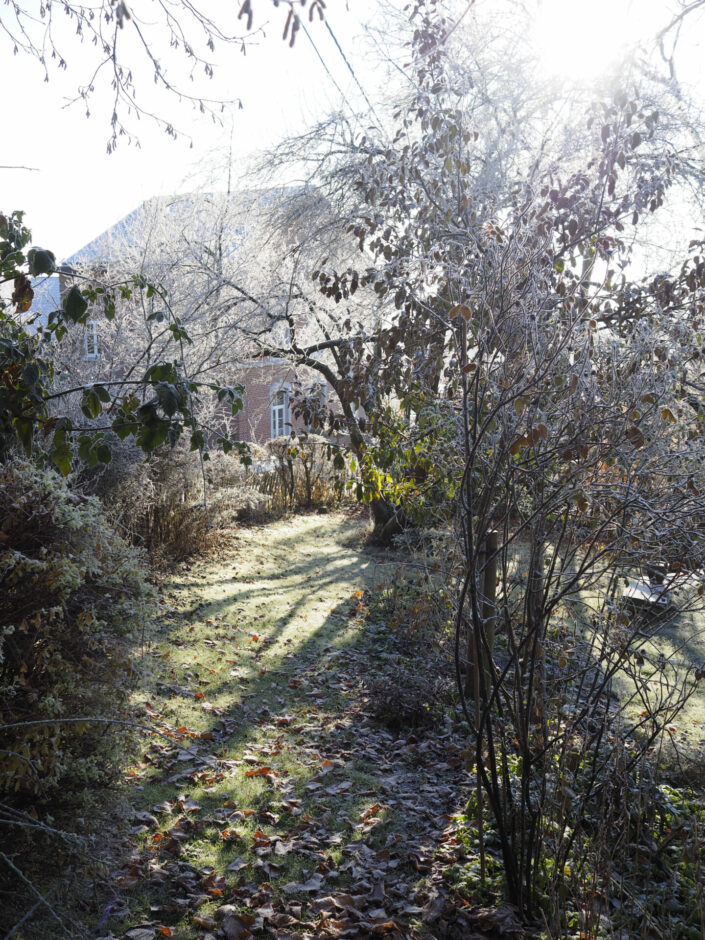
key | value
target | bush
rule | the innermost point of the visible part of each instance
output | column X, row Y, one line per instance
column 72, row 599
column 402, row 699
column 303, row 474
column 159, row 503
column 151, row 500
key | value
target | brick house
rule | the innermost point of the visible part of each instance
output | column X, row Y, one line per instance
column 106, row 351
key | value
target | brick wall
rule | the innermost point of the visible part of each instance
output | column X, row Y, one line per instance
column 261, row 381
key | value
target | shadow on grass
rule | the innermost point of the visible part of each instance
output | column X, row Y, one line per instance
column 272, row 707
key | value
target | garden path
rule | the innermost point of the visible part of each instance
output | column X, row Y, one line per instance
column 279, row 805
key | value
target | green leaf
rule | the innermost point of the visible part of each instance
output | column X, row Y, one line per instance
column 90, row 402
column 198, row 441
column 30, row 373
column 74, row 304
column 179, row 332
column 153, row 431
column 160, row 372
column 61, row 452
column 123, row 427
column 24, row 428
column 41, row 261
column 86, row 451
column 168, row 397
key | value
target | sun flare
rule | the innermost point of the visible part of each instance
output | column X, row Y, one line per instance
column 582, row 41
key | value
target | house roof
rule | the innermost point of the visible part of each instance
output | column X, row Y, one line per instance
column 46, row 298
column 105, row 246
column 125, row 241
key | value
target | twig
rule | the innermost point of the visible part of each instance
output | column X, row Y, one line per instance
column 35, row 891
column 30, row 913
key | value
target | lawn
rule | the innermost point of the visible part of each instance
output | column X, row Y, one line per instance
column 271, row 797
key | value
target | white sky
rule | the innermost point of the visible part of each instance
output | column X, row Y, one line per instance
column 79, row 190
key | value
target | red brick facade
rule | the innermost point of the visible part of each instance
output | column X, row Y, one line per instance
column 262, row 380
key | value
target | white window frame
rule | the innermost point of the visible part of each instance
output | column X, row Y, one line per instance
column 279, row 416
column 92, row 340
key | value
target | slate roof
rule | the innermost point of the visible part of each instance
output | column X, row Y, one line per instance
column 46, row 298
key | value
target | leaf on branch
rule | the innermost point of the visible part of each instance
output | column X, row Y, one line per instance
column 91, row 404
column 635, row 436
column 517, row 445
column 41, row 261
column 74, row 304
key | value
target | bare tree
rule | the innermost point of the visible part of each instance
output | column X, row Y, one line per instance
column 125, row 40
column 576, row 388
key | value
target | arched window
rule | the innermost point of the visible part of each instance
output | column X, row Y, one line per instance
column 279, row 411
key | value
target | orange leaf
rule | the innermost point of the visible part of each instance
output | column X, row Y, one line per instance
column 460, row 310
column 260, row 772
column 207, row 922
column 199, row 695
column 518, row 444
column 165, row 930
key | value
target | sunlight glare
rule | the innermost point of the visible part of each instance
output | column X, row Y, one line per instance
column 581, row 41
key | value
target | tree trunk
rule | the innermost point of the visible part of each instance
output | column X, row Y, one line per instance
column 388, row 519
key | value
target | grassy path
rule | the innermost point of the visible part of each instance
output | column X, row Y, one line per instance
column 276, row 805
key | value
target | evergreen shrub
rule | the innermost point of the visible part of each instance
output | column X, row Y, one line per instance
column 73, row 599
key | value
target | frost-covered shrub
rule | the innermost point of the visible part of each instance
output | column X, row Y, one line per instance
column 303, row 473
column 72, row 599
column 158, row 503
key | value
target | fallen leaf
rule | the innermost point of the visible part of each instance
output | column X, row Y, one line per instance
column 234, row 928
column 208, row 923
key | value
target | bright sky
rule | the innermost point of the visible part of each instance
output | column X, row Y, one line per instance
column 77, row 190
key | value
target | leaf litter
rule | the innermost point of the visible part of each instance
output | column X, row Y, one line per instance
column 283, row 808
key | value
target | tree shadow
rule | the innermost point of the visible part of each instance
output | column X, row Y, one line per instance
column 281, row 750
